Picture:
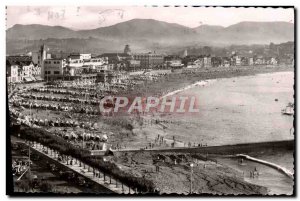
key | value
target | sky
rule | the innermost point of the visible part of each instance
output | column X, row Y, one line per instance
column 91, row 17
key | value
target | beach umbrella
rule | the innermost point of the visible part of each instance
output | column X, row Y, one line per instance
column 97, row 138
column 92, row 137
column 73, row 135
column 66, row 136
column 104, row 137
column 88, row 136
column 75, row 124
column 80, row 136
column 71, row 123
column 46, row 123
column 95, row 125
column 89, row 124
column 51, row 123
column 56, row 123
column 62, row 123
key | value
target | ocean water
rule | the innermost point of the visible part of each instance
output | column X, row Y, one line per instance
column 240, row 110
column 244, row 110
column 276, row 182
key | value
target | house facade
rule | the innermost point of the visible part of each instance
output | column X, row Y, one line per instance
column 53, row 69
column 149, row 60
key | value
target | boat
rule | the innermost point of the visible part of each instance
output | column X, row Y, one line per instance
column 289, row 110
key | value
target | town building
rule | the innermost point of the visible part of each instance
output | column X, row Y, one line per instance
column 37, row 71
column 53, row 69
column 127, row 50
column 286, row 59
column 79, row 56
column 235, row 60
column 202, row 61
column 133, row 65
column 173, row 61
column 271, row 61
column 216, row 61
column 149, row 60
column 12, row 72
column 39, row 56
column 259, row 60
column 78, row 64
column 25, row 68
column 111, row 77
column 195, row 63
column 206, row 61
column 225, row 61
column 114, row 58
column 185, row 54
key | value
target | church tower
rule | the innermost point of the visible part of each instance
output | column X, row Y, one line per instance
column 184, row 53
column 127, row 50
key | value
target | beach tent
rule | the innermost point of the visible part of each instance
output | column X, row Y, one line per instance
column 73, row 135
column 68, row 123
column 41, row 122
column 104, row 137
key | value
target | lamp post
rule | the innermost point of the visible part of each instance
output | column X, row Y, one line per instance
column 191, row 178
column 30, row 110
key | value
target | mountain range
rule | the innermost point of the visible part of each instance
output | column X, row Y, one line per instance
column 146, row 34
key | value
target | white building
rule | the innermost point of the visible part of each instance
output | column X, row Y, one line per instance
column 76, row 64
column 80, row 56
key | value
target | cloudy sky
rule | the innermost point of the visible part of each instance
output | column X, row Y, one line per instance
column 85, row 17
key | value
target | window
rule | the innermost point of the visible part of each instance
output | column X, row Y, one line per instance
column 56, row 72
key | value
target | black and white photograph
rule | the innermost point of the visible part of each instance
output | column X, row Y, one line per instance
column 150, row 100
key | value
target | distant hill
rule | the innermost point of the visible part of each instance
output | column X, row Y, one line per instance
column 139, row 28
column 37, row 31
column 259, row 32
column 208, row 28
column 149, row 34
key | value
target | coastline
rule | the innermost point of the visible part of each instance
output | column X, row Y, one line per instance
column 178, row 81
column 204, row 83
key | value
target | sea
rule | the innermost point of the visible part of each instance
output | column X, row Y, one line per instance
column 243, row 110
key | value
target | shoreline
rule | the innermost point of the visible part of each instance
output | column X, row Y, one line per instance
column 199, row 83
column 178, row 81
column 204, row 83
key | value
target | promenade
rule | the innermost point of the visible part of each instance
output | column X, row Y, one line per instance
column 88, row 172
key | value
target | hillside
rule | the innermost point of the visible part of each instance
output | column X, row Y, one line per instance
column 148, row 34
